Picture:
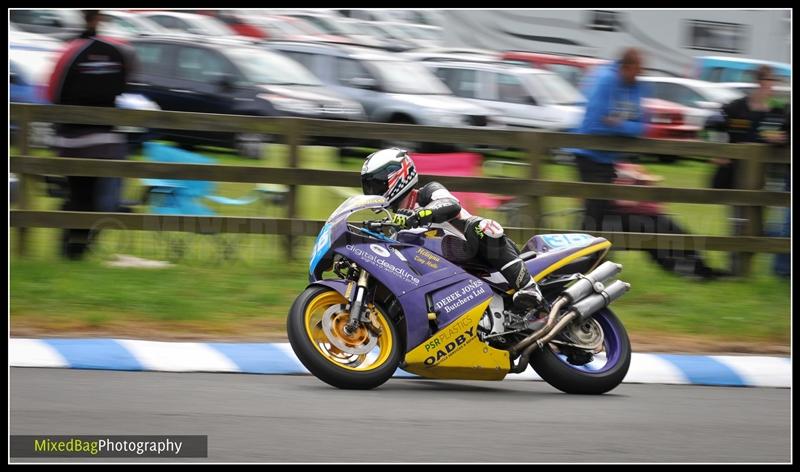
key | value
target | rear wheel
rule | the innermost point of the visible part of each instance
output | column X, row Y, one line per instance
column 573, row 370
column 364, row 359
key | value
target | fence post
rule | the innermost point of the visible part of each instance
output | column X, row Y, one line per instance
column 536, row 146
column 750, row 177
column 294, row 138
column 25, row 180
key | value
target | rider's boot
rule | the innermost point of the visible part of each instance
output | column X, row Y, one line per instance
column 528, row 296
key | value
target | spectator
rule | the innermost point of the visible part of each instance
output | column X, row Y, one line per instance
column 614, row 108
column 91, row 71
column 755, row 118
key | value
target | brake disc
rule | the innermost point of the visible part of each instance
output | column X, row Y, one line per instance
column 587, row 335
column 360, row 342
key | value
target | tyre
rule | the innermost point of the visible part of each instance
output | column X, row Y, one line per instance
column 363, row 360
column 580, row 373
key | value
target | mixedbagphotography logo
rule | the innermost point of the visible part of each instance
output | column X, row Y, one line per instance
column 109, row 446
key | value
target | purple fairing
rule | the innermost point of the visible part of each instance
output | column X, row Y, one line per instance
column 550, row 242
column 412, row 272
column 411, row 282
column 550, row 256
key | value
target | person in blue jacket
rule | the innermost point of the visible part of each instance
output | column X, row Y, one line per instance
column 614, row 108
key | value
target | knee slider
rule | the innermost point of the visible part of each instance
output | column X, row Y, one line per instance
column 490, row 228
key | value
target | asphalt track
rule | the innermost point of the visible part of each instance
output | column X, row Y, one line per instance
column 274, row 418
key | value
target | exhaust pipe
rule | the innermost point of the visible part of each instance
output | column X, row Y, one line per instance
column 583, row 307
column 590, row 305
column 551, row 319
column 592, row 282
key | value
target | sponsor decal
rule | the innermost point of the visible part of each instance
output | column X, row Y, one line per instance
column 450, row 341
column 423, row 256
column 578, row 237
column 383, row 264
column 379, row 250
column 562, row 240
column 460, row 297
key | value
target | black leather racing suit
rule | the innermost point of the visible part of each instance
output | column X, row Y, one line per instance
column 484, row 240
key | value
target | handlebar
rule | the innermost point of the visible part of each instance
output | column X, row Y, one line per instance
column 379, row 225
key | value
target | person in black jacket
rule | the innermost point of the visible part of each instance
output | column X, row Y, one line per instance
column 755, row 118
column 91, row 71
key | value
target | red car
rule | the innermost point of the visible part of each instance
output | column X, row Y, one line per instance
column 571, row 68
column 666, row 120
column 237, row 23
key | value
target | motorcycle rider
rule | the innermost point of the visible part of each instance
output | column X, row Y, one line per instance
column 391, row 173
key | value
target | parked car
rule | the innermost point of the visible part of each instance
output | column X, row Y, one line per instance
column 445, row 53
column 300, row 29
column 702, row 99
column 278, row 28
column 406, row 32
column 390, row 88
column 334, row 25
column 424, row 35
column 418, row 16
column 572, row 68
column 240, row 24
column 231, row 77
column 182, row 22
column 19, row 39
column 60, row 24
column 668, row 120
column 124, row 24
column 524, row 97
column 369, row 14
column 31, row 59
column 735, row 69
column 384, row 40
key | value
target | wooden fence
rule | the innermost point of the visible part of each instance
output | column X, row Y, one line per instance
column 296, row 131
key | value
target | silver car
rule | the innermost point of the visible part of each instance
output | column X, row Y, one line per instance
column 390, row 88
column 525, row 97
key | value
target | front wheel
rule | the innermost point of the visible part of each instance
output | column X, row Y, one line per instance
column 574, row 371
column 363, row 360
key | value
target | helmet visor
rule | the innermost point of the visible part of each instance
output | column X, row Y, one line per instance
column 377, row 182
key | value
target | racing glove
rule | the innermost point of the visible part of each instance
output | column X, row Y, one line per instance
column 408, row 219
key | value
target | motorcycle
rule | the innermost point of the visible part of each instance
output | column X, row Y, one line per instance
column 396, row 302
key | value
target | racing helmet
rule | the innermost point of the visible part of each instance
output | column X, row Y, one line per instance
column 390, row 173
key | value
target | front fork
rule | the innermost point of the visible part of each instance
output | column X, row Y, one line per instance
column 357, row 304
